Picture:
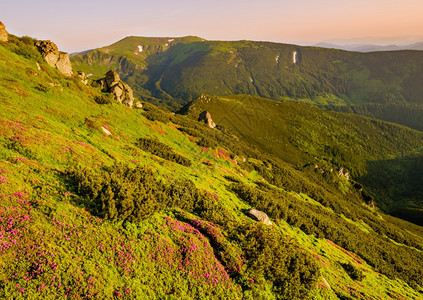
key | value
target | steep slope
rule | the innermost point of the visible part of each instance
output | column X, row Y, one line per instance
column 303, row 134
column 130, row 57
column 275, row 71
column 104, row 201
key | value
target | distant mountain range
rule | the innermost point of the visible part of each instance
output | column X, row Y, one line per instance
column 371, row 47
column 174, row 71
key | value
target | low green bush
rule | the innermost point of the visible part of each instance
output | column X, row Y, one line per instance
column 163, row 151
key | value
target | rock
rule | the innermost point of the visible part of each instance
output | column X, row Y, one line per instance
column 122, row 92
column 83, row 77
column 206, row 118
column 138, row 105
column 112, row 78
column 343, row 173
column 107, row 132
column 258, row 216
column 55, row 58
column 4, row 35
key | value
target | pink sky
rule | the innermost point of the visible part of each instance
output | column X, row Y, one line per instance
column 78, row 25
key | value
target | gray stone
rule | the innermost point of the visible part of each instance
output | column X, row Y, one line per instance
column 4, row 35
column 121, row 91
column 258, row 216
column 205, row 117
column 55, row 58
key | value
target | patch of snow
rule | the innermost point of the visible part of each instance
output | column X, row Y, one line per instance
column 171, row 40
column 252, row 80
column 277, row 59
column 88, row 75
column 231, row 51
column 140, row 48
column 294, row 57
column 166, row 44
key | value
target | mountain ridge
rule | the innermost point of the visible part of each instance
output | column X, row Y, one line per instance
column 178, row 74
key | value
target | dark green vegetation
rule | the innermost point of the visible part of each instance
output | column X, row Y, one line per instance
column 405, row 114
column 298, row 133
column 85, row 214
column 176, row 72
column 374, row 152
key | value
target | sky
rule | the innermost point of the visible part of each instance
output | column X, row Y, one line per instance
column 80, row 25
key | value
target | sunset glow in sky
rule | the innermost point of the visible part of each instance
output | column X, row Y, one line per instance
column 79, row 25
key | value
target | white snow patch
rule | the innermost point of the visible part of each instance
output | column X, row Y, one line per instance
column 171, row 40
column 277, row 59
column 166, row 44
column 140, row 48
column 294, row 57
column 252, row 80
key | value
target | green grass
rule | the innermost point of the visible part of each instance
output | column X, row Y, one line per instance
column 58, row 245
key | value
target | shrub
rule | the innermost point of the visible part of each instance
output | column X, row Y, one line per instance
column 352, row 271
column 122, row 193
column 206, row 142
column 42, row 88
column 163, row 151
column 103, row 99
column 271, row 257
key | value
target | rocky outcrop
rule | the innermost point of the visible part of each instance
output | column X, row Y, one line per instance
column 258, row 216
column 343, row 173
column 122, row 92
column 4, row 35
column 205, row 117
column 55, row 58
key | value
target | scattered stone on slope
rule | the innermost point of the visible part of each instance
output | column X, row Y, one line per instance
column 106, row 131
column 4, row 35
column 344, row 173
column 258, row 216
column 83, row 77
column 205, row 117
column 122, row 92
column 55, row 58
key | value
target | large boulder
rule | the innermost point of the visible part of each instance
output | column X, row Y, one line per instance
column 120, row 90
column 258, row 216
column 55, row 58
column 205, row 117
column 4, row 35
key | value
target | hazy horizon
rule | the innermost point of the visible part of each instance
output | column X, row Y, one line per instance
column 78, row 25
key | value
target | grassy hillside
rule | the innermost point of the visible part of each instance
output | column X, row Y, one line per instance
column 130, row 57
column 401, row 113
column 298, row 132
column 303, row 134
column 319, row 76
column 156, row 209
